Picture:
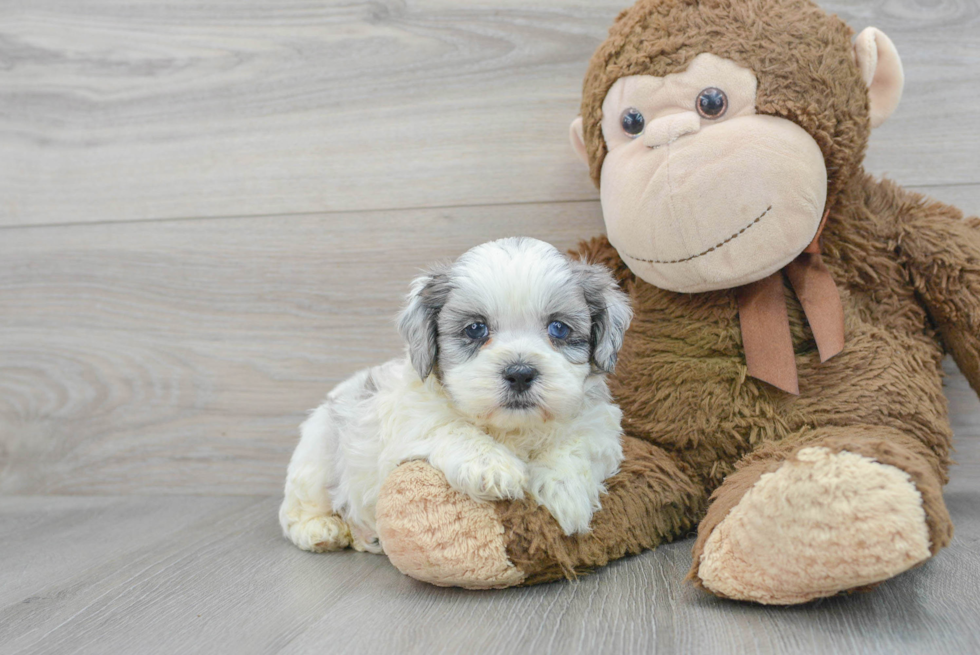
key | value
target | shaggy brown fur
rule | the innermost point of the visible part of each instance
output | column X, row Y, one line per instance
column 681, row 379
column 650, row 501
column 908, row 272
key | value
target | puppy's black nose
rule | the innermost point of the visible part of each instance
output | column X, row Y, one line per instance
column 520, row 376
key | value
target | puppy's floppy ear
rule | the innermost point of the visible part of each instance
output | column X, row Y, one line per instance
column 610, row 310
column 418, row 321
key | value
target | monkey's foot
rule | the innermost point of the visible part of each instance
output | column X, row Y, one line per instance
column 433, row 533
column 819, row 524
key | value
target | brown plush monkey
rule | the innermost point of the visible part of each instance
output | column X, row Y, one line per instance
column 726, row 137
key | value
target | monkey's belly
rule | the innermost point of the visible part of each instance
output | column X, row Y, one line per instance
column 682, row 384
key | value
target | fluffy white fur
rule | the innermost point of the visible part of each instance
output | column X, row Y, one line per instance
column 448, row 401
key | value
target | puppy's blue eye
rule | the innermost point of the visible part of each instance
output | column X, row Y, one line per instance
column 476, row 331
column 558, row 330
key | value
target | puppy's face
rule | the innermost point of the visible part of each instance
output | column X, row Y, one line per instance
column 514, row 330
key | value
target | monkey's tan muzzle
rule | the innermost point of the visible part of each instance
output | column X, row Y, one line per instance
column 713, row 206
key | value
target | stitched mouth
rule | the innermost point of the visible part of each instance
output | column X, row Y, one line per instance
column 701, row 254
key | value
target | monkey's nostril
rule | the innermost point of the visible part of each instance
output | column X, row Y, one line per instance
column 520, row 376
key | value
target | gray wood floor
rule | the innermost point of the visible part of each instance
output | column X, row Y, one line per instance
column 209, row 213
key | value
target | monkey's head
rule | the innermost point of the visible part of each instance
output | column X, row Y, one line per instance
column 718, row 131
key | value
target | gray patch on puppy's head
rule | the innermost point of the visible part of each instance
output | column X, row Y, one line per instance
column 610, row 310
column 418, row 321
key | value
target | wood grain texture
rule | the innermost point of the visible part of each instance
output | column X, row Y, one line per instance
column 183, row 574
column 120, row 111
column 180, row 356
column 145, row 359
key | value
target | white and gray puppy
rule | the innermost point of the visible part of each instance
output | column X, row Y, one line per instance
column 503, row 390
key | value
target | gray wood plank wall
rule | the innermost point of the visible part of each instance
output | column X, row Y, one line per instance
column 114, row 111
column 210, row 212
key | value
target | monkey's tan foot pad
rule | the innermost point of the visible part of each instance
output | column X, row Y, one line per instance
column 820, row 524
column 433, row 533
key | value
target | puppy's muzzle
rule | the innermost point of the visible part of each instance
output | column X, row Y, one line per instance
column 520, row 377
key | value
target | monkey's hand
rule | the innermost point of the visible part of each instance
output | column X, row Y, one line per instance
column 941, row 252
column 433, row 533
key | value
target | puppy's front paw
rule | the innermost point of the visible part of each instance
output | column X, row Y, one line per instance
column 495, row 475
column 571, row 500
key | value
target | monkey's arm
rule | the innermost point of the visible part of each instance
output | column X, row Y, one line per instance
column 940, row 249
column 435, row 534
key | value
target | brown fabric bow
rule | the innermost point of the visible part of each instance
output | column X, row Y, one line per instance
column 765, row 324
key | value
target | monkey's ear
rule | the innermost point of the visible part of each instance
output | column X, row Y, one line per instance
column 577, row 136
column 882, row 71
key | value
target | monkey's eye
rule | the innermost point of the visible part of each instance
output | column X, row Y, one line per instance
column 712, row 103
column 476, row 331
column 632, row 121
column 558, row 330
